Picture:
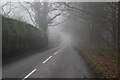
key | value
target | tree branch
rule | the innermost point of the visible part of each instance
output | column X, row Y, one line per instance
column 77, row 8
column 9, row 10
column 54, row 17
column 28, row 13
column 4, row 10
column 59, row 22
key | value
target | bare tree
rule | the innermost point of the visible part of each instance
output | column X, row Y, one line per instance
column 28, row 13
column 102, row 20
column 9, row 10
column 45, row 13
column 3, row 10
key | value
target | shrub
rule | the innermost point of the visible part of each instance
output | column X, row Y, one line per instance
column 18, row 37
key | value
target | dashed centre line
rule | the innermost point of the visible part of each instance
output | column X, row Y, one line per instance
column 43, row 63
column 47, row 59
column 29, row 74
column 55, row 53
column 51, row 56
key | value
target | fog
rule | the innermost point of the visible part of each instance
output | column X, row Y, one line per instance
column 58, row 37
column 72, row 32
column 73, row 25
column 69, row 31
column 89, row 27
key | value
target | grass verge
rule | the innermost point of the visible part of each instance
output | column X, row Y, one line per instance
column 103, row 62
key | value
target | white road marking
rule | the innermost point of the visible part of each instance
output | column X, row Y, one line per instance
column 47, row 59
column 43, row 63
column 29, row 74
column 55, row 53
column 51, row 56
column 61, row 49
column 58, row 51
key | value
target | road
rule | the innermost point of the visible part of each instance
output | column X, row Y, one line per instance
column 60, row 62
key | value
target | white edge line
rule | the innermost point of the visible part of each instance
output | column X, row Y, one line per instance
column 30, row 74
column 47, row 59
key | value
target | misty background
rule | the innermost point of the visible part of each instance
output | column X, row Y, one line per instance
column 76, row 23
column 83, row 25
